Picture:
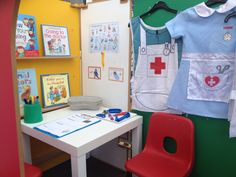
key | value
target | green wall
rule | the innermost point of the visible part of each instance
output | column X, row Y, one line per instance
column 215, row 153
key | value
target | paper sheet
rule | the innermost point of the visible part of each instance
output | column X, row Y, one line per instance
column 67, row 125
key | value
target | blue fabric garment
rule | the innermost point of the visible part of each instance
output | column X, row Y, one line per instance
column 204, row 79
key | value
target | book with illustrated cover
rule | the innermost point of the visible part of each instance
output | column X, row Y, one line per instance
column 26, row 36
column 55, row 89
column 55, row 40
column 27, row 85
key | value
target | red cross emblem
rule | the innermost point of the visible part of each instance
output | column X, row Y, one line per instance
column 158, row 65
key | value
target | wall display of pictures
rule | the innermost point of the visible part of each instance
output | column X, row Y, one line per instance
column 55, row 40
column 104, row 37
column 94, row 72
column 116, row 74
column 26, row 37
column 55, row 89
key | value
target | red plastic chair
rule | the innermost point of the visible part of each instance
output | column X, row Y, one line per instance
column 32, row 171
column 155, row 160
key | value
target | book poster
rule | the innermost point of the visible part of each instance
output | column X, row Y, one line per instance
column 55, row 89
column 27, row 85
column 104, row 37
column 55, row 40
column 116, row 74
column 26, row 36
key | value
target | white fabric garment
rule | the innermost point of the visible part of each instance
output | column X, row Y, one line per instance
column 209, row 80
column 232, row 107
column 156, row 69
column 204, row 11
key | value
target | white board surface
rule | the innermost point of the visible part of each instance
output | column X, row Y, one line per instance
column 112, row 88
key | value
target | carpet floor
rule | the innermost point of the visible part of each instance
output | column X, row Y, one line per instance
column 95, row 168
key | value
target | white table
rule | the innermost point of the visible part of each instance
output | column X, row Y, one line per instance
column 79, row 143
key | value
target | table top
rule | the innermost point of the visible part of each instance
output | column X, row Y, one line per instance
column 84, row 140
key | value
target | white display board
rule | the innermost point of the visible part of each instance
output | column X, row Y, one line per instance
column 105, row 63
column 105, row 52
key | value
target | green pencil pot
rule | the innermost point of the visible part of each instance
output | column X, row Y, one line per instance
column 32, row 113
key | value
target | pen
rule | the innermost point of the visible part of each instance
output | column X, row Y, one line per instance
column 110, row 116
column 33, row 99
column 37, row 99
column 25, row 100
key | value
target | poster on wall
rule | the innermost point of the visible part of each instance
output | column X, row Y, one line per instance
column 116, row 74
column 94, row 72
column 26, row 36
column 27, row 85
column 104, row 37
column 55, row 89
column 55, row 40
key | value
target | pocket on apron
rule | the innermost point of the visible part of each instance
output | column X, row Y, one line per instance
column 210, row 80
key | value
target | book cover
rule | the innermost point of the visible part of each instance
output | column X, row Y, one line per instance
column 55, row 40
column 26, row 36
column 27, row 85
column 55, row 89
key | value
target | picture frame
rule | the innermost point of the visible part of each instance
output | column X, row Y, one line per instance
column 55, row 40
column 116, row 74
column 55, row 89
column 94, row 72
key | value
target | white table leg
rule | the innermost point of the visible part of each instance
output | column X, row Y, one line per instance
column 78, row 166
column 26, row 148
column 136, row 140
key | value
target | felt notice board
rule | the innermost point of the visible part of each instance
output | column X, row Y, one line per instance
column 215, row 153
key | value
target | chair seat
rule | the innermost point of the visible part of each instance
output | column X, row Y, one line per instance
column 32, row 171
column 156, row 160
column 148, row 165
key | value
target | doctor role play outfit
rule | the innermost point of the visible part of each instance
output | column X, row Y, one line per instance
column 156, row 65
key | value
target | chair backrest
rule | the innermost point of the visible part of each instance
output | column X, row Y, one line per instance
column 32, row 171
column 181, row 129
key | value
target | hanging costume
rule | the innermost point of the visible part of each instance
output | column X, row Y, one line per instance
column 155, row 67
column 232, row 107
column 204, row 80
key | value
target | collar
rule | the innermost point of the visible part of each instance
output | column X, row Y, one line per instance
column 204, row 11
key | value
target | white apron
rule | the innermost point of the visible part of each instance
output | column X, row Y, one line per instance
column 156, row 69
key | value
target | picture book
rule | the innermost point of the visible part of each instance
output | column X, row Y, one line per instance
column 55, row 40
column 55, row 89
column 26, row 36
column 27, row 85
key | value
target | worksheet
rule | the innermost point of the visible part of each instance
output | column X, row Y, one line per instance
column 64, row 126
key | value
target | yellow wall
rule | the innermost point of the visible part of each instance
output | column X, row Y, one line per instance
column 58, row 13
